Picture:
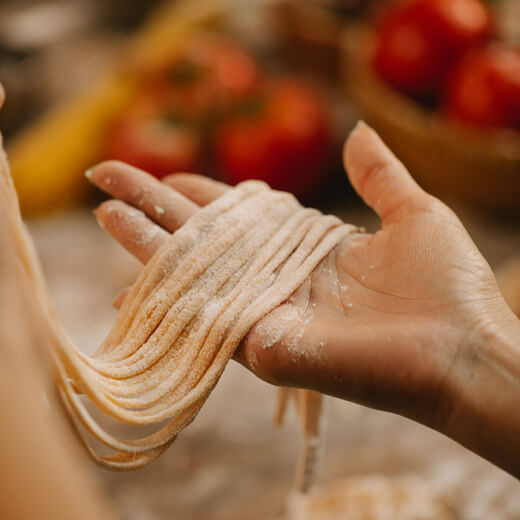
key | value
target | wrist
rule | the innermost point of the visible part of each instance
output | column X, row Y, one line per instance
column 479, row 407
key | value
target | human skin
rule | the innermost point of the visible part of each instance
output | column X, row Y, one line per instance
column 408, row 319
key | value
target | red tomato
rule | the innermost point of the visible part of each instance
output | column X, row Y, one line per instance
column 150, row 138
column 408, row 57
column 208, row 71
column 484, row 89
column 458, row 23
column 281, row 136
column 505, row 77
column 232, row 68
column 422, row 39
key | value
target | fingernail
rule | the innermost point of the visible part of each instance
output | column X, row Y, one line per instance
column 360, row 124
column 98, row 220
column 89, row 173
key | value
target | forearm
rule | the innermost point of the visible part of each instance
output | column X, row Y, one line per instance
column 481, row 408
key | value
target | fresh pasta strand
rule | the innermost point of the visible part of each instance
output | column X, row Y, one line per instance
column 229, row 265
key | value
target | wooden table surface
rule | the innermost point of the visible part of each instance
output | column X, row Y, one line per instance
column 231, row 463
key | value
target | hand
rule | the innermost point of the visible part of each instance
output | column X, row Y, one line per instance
column 390, row 320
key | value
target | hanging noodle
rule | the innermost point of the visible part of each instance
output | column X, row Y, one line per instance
column 227, row 267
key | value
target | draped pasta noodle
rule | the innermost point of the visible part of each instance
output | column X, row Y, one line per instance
column 231, row 263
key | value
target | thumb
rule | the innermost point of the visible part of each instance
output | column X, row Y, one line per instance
column 378, row 176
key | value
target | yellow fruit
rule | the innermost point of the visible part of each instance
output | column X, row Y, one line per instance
column 48, row 160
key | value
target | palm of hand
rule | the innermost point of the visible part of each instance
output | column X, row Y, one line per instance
column 382, row 308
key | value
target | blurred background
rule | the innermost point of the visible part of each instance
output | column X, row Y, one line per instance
column 265, row 89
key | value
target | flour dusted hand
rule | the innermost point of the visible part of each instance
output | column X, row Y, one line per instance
column 408, row 319
column 401, row 319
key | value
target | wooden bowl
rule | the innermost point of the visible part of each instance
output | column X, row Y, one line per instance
column 313, row 34
column 478, row 167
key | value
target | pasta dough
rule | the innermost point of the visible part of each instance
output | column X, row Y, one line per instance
column 226, row 268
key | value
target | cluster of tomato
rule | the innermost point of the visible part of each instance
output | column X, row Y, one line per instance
column 209, row 107
column 443, row 52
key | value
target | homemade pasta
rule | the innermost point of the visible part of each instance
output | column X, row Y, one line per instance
column 226, row 268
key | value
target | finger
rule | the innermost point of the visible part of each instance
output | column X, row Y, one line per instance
column 377, row 175
column 199, row 189
column 131, row 228
column 143, row 191
column 120, row 298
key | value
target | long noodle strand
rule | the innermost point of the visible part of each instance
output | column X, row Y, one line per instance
column 224, row 270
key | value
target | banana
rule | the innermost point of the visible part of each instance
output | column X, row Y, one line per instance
column 48, row 159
